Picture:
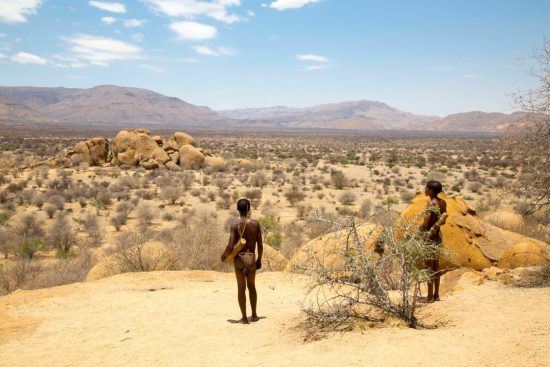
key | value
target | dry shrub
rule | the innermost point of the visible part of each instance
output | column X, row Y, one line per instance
column 171, row 194
column 93, row 228
column 293, row 239
column 197, row 241
column 368, row 284
column 146, row 213
column 347, row 198
column 61, row 235
column 294, row 195
column 338, row 179
column 29, row 274
column 134, row 252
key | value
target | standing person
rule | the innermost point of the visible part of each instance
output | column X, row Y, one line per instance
column 245, row 264
column 436, row 207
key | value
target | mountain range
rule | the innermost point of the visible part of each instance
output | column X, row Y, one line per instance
column 124, row 106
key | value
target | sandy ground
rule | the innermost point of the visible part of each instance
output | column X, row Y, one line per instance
column 181, row 319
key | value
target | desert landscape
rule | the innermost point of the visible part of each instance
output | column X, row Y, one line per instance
column 377, row 153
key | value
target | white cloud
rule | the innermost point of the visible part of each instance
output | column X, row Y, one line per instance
column 2, row 35
column 138, row 37
column 132, row 23
column 290, row 4
column 76, row 77
column 2, row 56
column 65, row 58
column 108, row 20
column 101, row 50
column 316, row 67
column 314, row 58
column 153, row 68
column 193, row 31
column 190, row 9
column 75, row 65
column 27, row 58
column 109, row 6
column 16, row 11
column 220, row 51
column 250, row 13
column 472, row 76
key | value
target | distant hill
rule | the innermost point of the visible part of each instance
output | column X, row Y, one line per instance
column 14, row 113
column 116, row 107
column 477, row 121
column 110, row 104
column 360, row 115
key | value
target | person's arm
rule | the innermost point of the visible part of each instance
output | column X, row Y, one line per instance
column 429, row 218
column 230, row 243
column 260, row 244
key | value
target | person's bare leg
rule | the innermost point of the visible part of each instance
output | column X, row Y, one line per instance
column 251, row 283
column 241, row 285
column 430, row 297
column 437, row 279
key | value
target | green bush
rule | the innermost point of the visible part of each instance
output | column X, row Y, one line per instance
column 29, row 248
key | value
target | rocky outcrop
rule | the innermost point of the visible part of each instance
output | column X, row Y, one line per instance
column 525, row 254
column 137, row 148
column 94, row 152
column 471, row 242
column 329, row 250
column 468, row 242
column 505, row 219
column 190, row 157
column 183, row 139
column 273, row 260
column 215, row 163
column 460, row 279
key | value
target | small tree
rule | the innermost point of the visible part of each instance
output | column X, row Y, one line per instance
column 338, row 179
column 347, row 198
column 29, row 227
column 124, row 208
column 294, row 195
column 532, row 143
column 57, row 201
column 171, row 194
column 38, row 201
column 50, row 210
column 118, row 221
column 145, row 214
column 93, row 228
column 28, row 248
column 187, row 178
column 61, row 235
column 389, row 202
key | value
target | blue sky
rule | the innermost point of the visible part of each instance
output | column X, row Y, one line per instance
column 429, row 57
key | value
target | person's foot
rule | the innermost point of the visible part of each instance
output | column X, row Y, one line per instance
column 426, row 300
column 244, row 320
column 254, row 318
column 436, row 298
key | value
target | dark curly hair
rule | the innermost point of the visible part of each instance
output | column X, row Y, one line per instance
column 243, row 206
column 435, row 186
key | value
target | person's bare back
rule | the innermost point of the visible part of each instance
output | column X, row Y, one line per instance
column 245, row 261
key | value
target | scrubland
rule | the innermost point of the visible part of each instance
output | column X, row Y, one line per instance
column 55, row 223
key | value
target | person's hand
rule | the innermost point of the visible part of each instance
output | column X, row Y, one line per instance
column 258, row 264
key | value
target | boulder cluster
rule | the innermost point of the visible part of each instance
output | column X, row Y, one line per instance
column 468, row 241
column 137, row 148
